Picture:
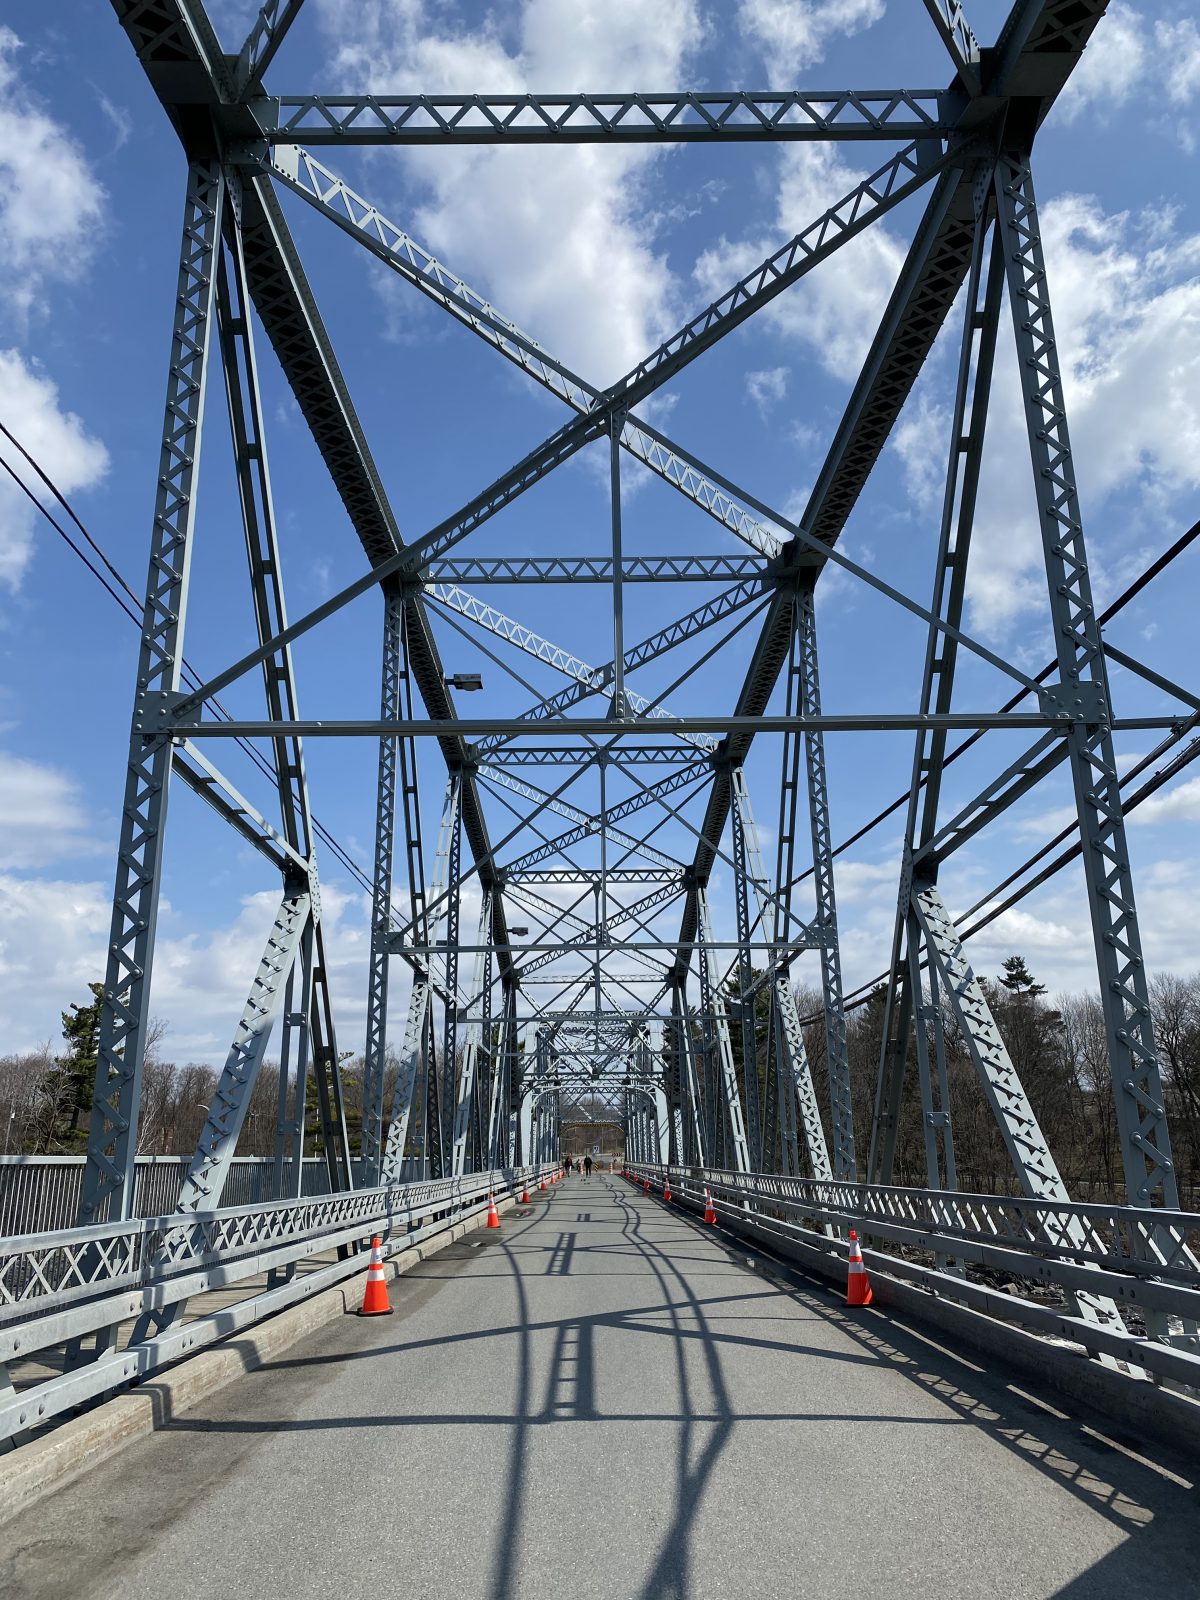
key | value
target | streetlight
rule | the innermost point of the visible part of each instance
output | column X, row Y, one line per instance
column 464, row 680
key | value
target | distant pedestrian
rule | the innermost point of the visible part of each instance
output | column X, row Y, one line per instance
column 587, row 1168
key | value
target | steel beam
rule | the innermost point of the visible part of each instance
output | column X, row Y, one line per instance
column 1141, row 1115
column 112, row 1140
column 375, row 1054
column 444, row 120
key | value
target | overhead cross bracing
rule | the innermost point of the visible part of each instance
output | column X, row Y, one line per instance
column 607, row 887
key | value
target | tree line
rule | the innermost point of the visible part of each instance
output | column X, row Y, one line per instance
column 1058, row 1047
column 46, row 1095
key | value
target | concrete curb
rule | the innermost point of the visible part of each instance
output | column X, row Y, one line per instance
column 66, row 1452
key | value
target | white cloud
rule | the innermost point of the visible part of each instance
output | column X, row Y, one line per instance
column 1112, row 66
column 1124, row 58
column 1180, row 803
column 793, row 34
column 52, row 943
column 52, row 207
column 1126, row 299
column 1052, row 929
column 1177, row 46
column 552, row 234
column 51, row 947
column 833, row 311
column 43, row 818
column 767, row 388
column 870, row 882
column 54, row 437
column 119, row 118
column 201, row 980
column 233, row 20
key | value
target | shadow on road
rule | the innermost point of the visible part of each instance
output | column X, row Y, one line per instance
column 1145, row 1493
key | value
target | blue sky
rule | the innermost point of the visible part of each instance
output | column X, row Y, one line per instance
column 598, row 253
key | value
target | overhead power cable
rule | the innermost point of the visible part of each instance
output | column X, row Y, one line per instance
column 116, row 586
column 862, row 994
column 1122, row 600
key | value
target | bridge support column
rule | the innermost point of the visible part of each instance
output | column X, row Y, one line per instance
column 796, row 1093
column 724, row 1072
column 1083, row 682
column 807, row 692
column 107, row 1193
column 465, row 1103
column 375, row 1054
column 904, row 994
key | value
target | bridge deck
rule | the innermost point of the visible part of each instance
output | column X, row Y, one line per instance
column 604, row 1399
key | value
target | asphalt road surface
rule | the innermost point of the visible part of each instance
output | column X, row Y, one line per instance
column 604, row 1399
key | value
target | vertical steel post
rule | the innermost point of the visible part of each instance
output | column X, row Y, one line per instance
column 616, row 424
column 288, row 1175
column 976, row 360
column 465, row 1094
column 1083, row 685
column 804, row 656
column 107, row 1192
column 375, row 1055
column 799, row 1096
column 243, row 392
column 391, row 1167
column 441, row 906
column 736, row 1155
column 450, row 1065
column 747, row 993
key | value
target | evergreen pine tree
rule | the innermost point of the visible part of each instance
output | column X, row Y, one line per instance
column 1018, row 979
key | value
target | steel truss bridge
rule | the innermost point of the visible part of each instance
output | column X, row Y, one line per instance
column 594, row 974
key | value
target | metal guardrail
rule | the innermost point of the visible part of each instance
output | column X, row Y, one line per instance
column 1126, row 1255
column 60, row 1287
column 39, row 1193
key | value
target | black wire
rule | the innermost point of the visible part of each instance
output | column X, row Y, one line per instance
column 67, row 539
column 193, row 678
column 862, row 994
column 1122, row 600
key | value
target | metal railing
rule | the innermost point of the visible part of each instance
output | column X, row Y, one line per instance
column 40, row 1193
column 60, row 1287
column 959, row 1245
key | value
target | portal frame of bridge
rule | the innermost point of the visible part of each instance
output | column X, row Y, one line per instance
column 729, row 1100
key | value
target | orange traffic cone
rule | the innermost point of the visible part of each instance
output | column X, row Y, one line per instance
column 645, row 1185
column 858, row 1285
column 493, row 1220
column 542, row 1186
column 375, row 1296
column 525, row 1195
column 710, row 1212
column 667, row 1191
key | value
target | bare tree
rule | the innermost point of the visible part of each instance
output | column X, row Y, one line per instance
column 1176, row 1006
column 23, row 1083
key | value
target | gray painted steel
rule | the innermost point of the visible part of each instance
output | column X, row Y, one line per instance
column 488, row 1071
